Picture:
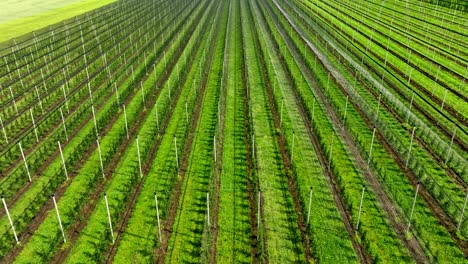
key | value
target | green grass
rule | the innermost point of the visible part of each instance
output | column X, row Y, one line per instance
column 331, row 244
column 233, row 242
column 25, row 18
column 279, row 228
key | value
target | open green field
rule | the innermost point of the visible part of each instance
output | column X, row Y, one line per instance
column 21, row 17
column 234, row 131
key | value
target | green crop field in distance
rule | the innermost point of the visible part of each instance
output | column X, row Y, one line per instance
column 19, row 18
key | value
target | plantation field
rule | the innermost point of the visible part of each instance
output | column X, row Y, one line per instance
column 21, row 17
column 234, row 131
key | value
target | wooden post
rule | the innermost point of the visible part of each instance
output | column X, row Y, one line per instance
column 462, row 212
column 4, row 131
column 176, row 156
column 9, row 219
column 208, row 208
column 63, row 160
column 412, row 208
column 58, row 217
column 109, row 218
column 63, row 123
column 360, row 208
column 450, row 146
column 157, row 216
column 409, row 150
column 139, row 157
column 125, row 117
column 371, row 145
column 310, row 205
column 100, row 158
column 24, row 160
column 34, row 124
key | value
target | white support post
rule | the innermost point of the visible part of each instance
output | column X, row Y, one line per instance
column 34, row 124
column 371, row 146
column 157, row 217
column 176, row 155
column 412, row 208
column 409, row 109
column 378, row 107
column 125, row 117
column 4, row 131
column 143, row 94
column 43, row 81
column 25, row 162
column 117, row 93
column 328, row 83
column 100, row 158
column 109, row 218
column 58, row 217
column 310, row 205
column 443, row 101
column 65, row 98
column 63, row 160
column 90, row 93
column 139, row 157
column 450, row 146
column 13, row 98
column 63, row 123
column 39, row 98
column 462, row 212
column 409, row 150
column 9, row 219
column 95, row 122
column 208, row 208
column 360, row 208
